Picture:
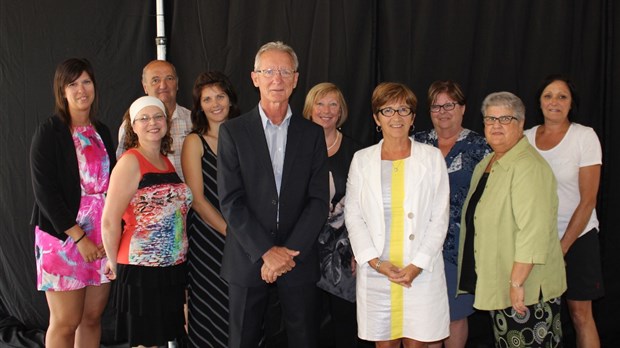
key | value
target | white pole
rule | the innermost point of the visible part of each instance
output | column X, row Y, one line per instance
column 160, row 40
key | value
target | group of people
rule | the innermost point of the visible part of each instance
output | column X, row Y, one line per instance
column 400, row 241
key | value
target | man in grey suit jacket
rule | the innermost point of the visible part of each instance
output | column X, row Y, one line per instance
column 274, row 195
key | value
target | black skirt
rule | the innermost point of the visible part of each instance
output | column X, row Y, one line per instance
column 149, row 303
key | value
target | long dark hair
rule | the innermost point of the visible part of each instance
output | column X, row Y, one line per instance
column 67, row 72
column 200, row 124
column 574, row 107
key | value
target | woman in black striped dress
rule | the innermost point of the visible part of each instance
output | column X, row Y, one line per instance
column 215, row 101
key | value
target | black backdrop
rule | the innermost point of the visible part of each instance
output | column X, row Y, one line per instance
column 486, row 45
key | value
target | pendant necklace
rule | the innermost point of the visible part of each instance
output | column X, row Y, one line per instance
column 395, row 166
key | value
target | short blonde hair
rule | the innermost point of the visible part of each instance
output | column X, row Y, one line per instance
column 319, row 91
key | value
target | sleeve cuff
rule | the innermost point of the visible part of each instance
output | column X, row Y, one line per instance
column 423, row 261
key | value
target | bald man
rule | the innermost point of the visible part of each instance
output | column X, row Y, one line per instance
column 160, row 80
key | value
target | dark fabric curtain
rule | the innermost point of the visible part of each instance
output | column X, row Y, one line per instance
column 334, row 41
column 486, row 45
column 118, row 38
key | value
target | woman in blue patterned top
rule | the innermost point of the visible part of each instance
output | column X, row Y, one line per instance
column 462, row 149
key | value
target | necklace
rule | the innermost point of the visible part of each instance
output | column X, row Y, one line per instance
column 335, row 141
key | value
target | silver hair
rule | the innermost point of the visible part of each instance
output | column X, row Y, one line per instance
column 507, row 100
column 278, row 46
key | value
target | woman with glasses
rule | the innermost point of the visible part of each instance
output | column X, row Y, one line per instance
column 147, row 255
column 396, row 211
column 70, row 159
column 462, row 150
column 215, row 101
column 574, row 153
column 509, row 252
column 325, row 106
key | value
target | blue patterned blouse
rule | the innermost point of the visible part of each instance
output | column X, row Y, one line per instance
column 468, row 150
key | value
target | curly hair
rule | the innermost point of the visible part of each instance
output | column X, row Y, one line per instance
column 131, row 138
column 506, row 100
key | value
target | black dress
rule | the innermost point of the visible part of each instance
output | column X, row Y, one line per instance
column 208, row 292
column 335, row 252
column 334, row 246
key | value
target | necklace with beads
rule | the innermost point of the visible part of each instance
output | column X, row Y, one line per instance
column 335, row 141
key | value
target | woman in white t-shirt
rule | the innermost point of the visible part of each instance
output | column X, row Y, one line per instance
column 574, row 154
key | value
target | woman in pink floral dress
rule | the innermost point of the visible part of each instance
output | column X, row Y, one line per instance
column 70, row 158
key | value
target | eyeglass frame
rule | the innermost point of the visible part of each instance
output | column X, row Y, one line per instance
column 491, row 120
column 271, row 73
column 145, row 119
column 396, row 111
column 443, row 106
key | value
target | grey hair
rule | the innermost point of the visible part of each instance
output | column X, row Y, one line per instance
column 507, row 100
column 278, row 46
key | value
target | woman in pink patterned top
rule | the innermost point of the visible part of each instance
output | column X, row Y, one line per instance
column 70, row 158
column 147, row 257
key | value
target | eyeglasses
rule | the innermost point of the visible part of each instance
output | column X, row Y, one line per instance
column 145, row 119
column 489, row 120
column 285, row 73
column 389, row 112
column 447, row 107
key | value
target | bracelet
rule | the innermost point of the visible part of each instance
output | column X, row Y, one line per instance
column 378, row 264
column 515, row 284
column 79, row 239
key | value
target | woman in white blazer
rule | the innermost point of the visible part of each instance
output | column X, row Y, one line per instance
column 396, row 211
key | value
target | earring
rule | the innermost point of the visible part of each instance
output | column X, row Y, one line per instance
column 378, row 129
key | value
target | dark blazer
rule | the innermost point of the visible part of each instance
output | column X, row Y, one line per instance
column 249, row 199
column 55, row 175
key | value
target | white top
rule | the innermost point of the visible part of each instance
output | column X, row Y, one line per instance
column 580, row 147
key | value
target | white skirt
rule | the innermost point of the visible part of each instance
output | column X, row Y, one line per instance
column 387, row 312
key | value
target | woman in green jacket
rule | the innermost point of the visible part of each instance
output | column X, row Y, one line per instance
column 510, row 254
